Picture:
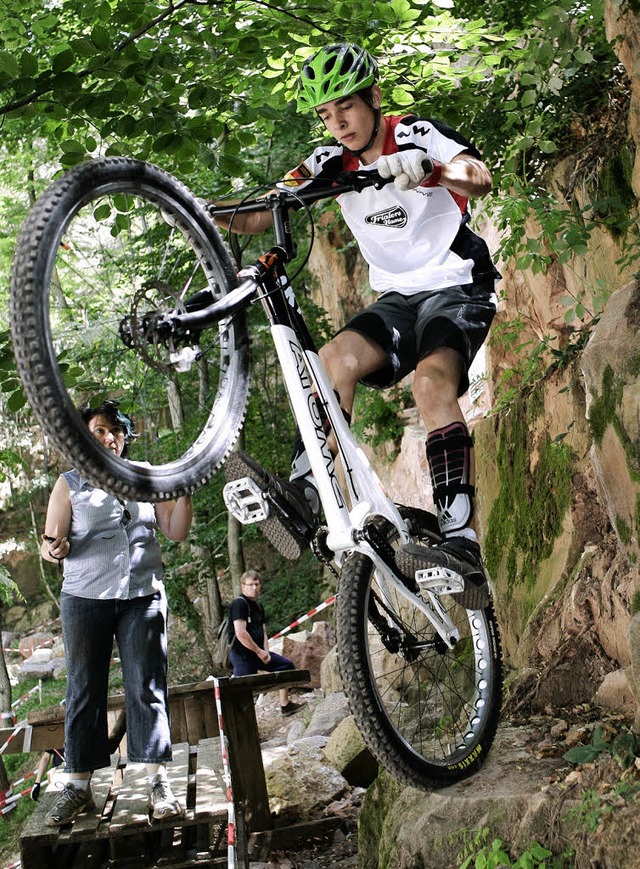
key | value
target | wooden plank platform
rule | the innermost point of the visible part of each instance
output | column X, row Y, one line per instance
column 120, row 834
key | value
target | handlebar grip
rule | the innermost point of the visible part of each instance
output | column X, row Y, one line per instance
column 427, row 165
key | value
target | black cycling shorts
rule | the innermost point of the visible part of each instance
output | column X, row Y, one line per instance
column 408, row 328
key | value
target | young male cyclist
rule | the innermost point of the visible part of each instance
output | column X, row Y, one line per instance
column 435, row 280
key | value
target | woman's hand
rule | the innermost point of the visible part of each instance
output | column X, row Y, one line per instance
column 54, row 548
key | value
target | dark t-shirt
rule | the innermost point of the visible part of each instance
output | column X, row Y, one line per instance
column 252, row 613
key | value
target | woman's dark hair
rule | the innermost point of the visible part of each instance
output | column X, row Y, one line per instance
column 115, row 416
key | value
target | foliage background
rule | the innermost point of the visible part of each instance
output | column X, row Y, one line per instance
column 205, row 88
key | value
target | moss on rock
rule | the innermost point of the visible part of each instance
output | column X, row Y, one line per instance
column 526, row 517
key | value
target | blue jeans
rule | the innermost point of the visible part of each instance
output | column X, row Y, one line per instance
column 139, row 626
column 248, row 663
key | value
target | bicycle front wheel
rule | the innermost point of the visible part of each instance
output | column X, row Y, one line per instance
column 428, row 713
column 109, row 249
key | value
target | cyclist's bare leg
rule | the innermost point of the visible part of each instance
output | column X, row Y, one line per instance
column 348, row 358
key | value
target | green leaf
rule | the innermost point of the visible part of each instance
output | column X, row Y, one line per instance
column 583, row 56
column 8, row 66
column 581, row 754
column 28, row 64
column 547, row 147
column 528, row 98
column 63, row 60
column 101, row 37
column 401, row 96
column 16, row 401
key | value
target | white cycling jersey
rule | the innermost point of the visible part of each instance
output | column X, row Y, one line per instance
column 413, row 240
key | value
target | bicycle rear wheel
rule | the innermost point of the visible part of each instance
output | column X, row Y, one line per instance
column 112, row 246
column 428, row 713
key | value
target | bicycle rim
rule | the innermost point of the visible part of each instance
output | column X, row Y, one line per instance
column 111, row 247
column 428, row 713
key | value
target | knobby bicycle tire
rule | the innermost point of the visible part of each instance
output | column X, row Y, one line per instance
column 428, row 713
column 110, row 247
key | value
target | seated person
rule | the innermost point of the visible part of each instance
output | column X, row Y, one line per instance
column 249, row 642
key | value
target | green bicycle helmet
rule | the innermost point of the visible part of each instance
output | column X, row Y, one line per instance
column 334, row 72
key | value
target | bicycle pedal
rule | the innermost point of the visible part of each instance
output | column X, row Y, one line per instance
column 246, row 501
column 439, row 580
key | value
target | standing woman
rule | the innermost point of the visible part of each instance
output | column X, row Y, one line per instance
column 112, row 588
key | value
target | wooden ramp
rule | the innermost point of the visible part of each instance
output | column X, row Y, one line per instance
column 119, row 833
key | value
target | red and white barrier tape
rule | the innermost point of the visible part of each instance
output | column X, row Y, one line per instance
column 26, row 696
column 15, row 865
column 24, row 778
column 304, row 618
column 226, row 775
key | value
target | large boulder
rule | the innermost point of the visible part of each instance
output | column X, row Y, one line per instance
column 39, row 640
column 346, row 750
column 299, row 781
column 330, row 679
column 328, row 715
column 308, row 650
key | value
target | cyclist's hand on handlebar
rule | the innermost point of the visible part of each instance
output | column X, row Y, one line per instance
column 409, row 169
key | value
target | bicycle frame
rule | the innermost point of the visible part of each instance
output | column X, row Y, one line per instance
column 306, row 382
column 347, row 513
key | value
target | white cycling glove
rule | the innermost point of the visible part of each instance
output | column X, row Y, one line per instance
column 405, row 167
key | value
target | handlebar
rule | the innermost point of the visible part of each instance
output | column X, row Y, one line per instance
column 347, row 182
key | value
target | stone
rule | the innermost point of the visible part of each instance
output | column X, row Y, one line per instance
column 299, row 781
column 330, row 679
column 613, row 455
column 41, row 656
column 307, row 650
column 37, row 670
column 346, row 750
column 328, row 714
column 31, row 642
column 615, row 691
column 405, row 827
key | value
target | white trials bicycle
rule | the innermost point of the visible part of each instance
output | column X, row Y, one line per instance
column 122, row 284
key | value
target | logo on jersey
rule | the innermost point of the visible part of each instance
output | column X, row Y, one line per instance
column 395, row 217
column 298, row 175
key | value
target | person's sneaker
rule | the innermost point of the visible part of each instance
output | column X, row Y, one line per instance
column 458, row 554
column 162, row 803
column 69, row 804
column 294, row 507
column 291, row 708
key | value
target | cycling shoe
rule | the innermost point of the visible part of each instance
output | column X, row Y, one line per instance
column 457, row 554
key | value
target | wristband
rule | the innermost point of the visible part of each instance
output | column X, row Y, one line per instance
column 434, row 179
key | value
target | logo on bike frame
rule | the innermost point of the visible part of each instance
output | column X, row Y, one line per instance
column 314, row 412
column 395, row 217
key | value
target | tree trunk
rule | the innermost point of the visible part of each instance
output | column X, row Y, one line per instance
column 236, row 552
column 234, row 542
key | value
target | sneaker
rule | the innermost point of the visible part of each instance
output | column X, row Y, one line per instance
column 291, row 708
column 456, row 553
column 294, row 507
column 70, row 803
column 162, row 803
